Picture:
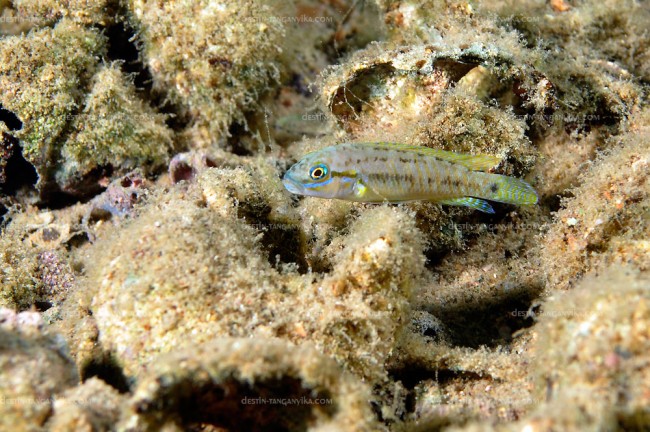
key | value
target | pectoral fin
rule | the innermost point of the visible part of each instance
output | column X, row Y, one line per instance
column 359, row 189
column 363, row 192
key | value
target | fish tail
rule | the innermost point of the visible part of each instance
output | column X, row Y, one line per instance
column 509, row 190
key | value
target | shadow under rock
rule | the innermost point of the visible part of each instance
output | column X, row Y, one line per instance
column 479, row 321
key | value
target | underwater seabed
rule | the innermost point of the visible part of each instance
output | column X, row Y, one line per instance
column 155, row 274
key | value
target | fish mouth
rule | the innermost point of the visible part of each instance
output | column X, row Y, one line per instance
column 291, row 185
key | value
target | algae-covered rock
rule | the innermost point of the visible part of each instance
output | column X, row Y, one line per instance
column 571, row 81
column 588, row 359
column 35, row 267
column 81, row 11
column 42, row 79
column 80, row 120
column 252, row 384
column 115, row 131
column 34, row 368
column 612, row 30
column 375, row 267
column 213, row 59
column 19, row 283
column 379, row 85
column 92, row 406
column 606, row 220
column 186, row 277
column 592, row 354
column 563, row 158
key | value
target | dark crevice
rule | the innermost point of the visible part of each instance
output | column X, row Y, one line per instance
column 3, row 211
column 122, row 47
column 42, row 305
column 81, row 190
column 434, row 257
column 283, row 246
column 54, row 199
column 220, row 405
column 109, row 371
column 552, row 202
column 10, row 119
column 281, row 241
column 15, row 171
column 235, row 142
column 488, row 322
column 633, row 420
column 76, row 241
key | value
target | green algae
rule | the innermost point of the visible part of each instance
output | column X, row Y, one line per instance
column 115, row 128
column 66, row 133
column 42, row 77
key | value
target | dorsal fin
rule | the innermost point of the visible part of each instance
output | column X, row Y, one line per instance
column 478, row 162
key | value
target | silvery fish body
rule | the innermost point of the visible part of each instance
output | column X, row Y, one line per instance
column 390, row 172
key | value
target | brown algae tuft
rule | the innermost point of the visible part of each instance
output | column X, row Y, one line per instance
column 213, row 59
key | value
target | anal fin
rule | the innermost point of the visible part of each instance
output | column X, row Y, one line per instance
column 475, row 203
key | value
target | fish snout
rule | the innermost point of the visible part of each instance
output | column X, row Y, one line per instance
column 292, row 185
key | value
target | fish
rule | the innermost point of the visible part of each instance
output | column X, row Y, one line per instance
column 396, row 173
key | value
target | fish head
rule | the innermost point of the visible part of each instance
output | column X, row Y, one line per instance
column 319, row 174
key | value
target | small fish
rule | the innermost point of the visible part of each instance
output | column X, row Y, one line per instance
column 390, row 172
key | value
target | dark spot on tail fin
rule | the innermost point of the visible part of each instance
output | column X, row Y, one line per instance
column 511, row 190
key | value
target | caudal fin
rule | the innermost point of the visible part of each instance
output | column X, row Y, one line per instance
column 509, row 190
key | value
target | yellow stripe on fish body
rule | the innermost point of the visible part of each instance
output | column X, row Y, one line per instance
column 378, row 172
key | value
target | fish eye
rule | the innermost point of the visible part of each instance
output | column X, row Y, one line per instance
column 318, row 172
